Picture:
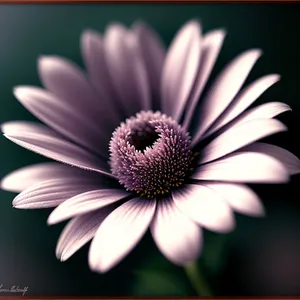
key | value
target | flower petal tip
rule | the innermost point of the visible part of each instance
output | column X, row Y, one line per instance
column 257, row 211
column 60, row 255
column 284, row 128
column 228, row 227
column 221, row 33
column 5, row 184
column 63, row 257
column 99, row 268
column 276, row 77
column 51, row 220
column 193, row 25
column 18, row 205
column 43, row 59
column 115, row 27
column 20, row 91
column 194, row 22
column 3, row 131
column 88, row 35
column 254, row 54
column 96, row 265
column 47, row 61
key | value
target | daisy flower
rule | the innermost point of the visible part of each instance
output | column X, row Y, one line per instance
column 132, row 150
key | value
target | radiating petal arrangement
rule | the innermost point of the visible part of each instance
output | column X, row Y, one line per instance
column 140, row 143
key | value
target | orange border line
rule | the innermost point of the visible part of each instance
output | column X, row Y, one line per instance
column 148, row 298
column 146, row 1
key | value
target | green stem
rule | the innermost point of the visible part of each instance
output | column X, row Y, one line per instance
column 197, row 279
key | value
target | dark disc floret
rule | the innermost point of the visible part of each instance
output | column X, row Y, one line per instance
column 150, row 154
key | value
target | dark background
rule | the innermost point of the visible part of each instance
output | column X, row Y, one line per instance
column 261, row 257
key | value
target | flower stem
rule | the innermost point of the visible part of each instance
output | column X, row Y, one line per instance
column 197, row 279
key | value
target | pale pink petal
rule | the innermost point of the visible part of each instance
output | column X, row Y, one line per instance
column 239, row 136
column 86, row 202
column 177, row 237
column 267, row 110
column 44, row 141
column 288, row 159
column 15, row 127
column 210, row 48
column 205, row 206
column 21, row 179
column 92, row 47
column 120, row 232
column 239, row 196
column 244, row 167
column 246, row 97
column 153, row 52
column 65, row 79
column 62, row 117
column 79, row 231
column 127, row 69
column 224, row 89
column 180, row 69
column 51, row 193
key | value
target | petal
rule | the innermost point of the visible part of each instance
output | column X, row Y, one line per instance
column 243, row 167
column 205, row 206
column 247, row 96
column 177, row 237
column 224, row 89
column 86, row 202
column 120, row 232
column 211, row 46
column 127, row 69
column 79, row 231
column 239, row 197
column 21, row 179
column 239, row 136
column 62, row 117
column 44, row 141
column 289, row 160
column 267, row 110
column 53, row 192
column 180, row 69
column 153, row 53
column 64, row 79
column 92, row 46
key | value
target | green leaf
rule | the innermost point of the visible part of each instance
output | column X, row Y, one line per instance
column 157, row 276
column 215, row 252
column 151, row 283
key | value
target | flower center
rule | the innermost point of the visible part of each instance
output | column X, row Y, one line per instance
column 150, row 154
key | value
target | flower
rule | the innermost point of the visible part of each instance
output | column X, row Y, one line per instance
column 132, row 149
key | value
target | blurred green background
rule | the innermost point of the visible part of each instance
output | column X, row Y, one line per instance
column 261, row 257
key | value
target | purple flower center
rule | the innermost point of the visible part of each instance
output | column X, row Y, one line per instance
column 150, row 154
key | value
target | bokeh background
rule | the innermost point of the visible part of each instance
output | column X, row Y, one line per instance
column 261, row 257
